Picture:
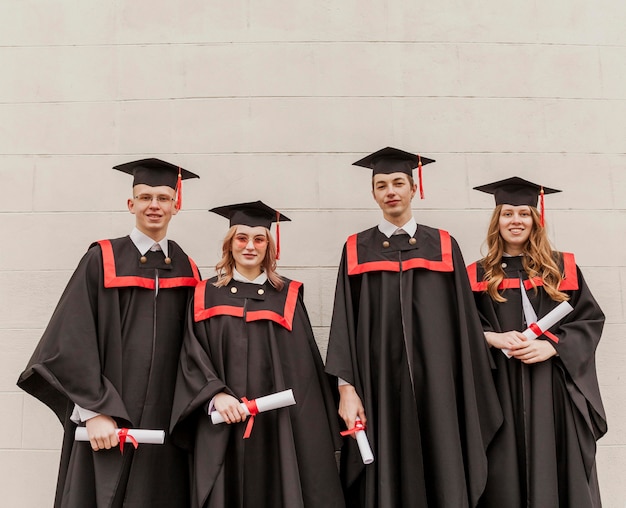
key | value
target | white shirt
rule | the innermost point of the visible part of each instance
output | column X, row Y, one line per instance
column 261, row 279
column 388, row 229
column 143, row 243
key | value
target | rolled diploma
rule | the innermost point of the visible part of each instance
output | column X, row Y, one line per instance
column 143, row 436
column 266, row 403
column 364, row 447
column 547, row 321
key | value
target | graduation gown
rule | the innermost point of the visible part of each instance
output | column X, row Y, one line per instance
column 251, row 340
column 112, row 346
column 406, row 335
column 544, row 454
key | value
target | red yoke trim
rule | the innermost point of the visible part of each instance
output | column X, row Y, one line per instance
column 568, row 283
column 445, row 265
column 285, row 320
column 112, row 280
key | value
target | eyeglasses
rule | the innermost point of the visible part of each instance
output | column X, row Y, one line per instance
column 162, row 199
column 242, row 240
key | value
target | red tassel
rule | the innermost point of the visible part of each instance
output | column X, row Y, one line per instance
column 179, row 190
column 277, row 235
column 543, row 208
column 419, row 175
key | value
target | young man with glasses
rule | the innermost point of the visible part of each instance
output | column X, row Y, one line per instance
column 108, row 358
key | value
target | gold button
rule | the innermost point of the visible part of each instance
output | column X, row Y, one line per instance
column 261, row 291
column 385, row 244
column 233, row 290
column 412, row 241
column 168, row 261
column 143, row 259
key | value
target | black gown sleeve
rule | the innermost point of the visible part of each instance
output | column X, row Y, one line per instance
column 66, row 364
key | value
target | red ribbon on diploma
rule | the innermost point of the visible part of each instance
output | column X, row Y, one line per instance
column 358, row 425
column 123, row 435
column 251, row 405
column 534, row 327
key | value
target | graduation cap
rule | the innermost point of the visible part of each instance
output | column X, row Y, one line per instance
column 392, row 160
column 253, row 214
column 155, row 172
column 516, row 191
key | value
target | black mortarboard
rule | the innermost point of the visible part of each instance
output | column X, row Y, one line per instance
column 516, row 191
column 155, row 172
column 253, row 214
column 392, row 160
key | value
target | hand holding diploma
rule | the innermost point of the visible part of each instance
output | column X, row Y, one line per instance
column 135, row 436
column 259, row 405
column 361, row 439
column 546, row 322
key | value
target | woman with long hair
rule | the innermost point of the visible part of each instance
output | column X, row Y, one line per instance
column 248, row 335
column 544, row 454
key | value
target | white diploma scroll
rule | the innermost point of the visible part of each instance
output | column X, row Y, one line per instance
column 364, row 446
column 546, row 322
column 267, row 403
column 143, row 436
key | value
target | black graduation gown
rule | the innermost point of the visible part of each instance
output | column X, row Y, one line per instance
column 112, row 346
column 405, row 333
column 544, row 454
column 251, row 340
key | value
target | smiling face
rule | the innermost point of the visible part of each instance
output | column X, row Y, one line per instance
column 393, row 193
column 153, row 208
column 515, row 225
column 249, row 246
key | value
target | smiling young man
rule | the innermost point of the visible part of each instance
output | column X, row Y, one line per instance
column 109, row 356
column 407, row 348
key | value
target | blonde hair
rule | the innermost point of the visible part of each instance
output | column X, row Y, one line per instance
column 538, row 260
column 226, row 265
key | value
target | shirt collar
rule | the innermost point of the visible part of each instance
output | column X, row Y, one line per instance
column 144, row 243
column 261, row 279
column 388, row 229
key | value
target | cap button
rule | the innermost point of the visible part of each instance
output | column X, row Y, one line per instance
column 233, row 289
column 143, row 259
column 261, row 291
column 412, row 241
column 168, row 261
column 385, row 244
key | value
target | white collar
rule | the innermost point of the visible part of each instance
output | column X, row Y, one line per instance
column 388, row 229
column 261, row 279
column 144, row 243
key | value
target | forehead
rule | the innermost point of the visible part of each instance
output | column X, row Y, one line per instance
column 250, row 231
column 381, row 177
column 142, row 188
column 513, row 208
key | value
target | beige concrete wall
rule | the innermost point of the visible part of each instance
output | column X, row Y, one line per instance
column 274, row 100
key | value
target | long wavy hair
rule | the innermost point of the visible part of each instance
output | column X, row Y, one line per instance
column 226, row 265
column 539, row 259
